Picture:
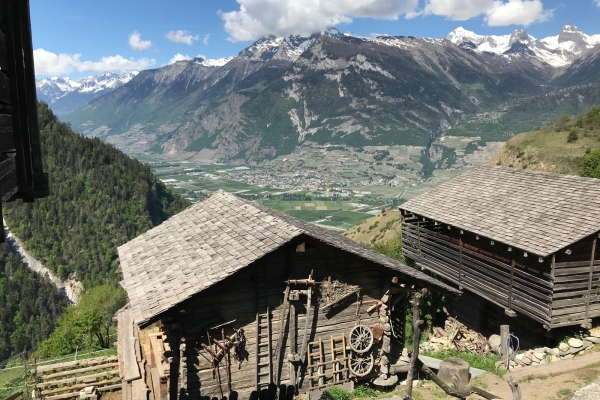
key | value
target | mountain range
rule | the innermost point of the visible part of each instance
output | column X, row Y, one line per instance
column 281, row 93
column 64, row 94
column 559, row 51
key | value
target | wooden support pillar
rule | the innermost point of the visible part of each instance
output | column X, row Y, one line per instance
column 460, row 251
column 416, row 303
column 419, row 240
column 504, row 333
column 512, row 277
column 589, row 291
column 552, row 265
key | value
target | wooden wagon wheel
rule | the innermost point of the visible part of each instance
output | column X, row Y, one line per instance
column 361, row 364
column 360, row 339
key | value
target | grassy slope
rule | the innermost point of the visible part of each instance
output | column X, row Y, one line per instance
column 548, row 149
column 380, row 228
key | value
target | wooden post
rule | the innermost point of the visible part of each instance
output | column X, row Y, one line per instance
column 514, row 387
column 551, row 274
column 460, row 251
column 416, row 302
column 589, row 292
column 512, row 276
column 419, row 237
column 504, row 333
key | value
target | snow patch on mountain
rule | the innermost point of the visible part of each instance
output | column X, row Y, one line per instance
column 212, row 62
column 558, row 51
column 55, row 88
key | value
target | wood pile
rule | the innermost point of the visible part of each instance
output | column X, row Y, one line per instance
column 457, row 336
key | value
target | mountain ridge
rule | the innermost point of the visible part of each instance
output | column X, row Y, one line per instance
column 65, row 94
column 280, row 93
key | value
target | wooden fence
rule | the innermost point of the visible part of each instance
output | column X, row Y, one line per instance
column 66, row 380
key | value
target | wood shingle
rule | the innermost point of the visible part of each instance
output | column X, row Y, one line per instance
column 215, row 238
column 538, row 212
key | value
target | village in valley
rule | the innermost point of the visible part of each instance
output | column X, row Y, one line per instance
column 440, row 241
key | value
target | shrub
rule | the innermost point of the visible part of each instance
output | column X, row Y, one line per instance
column 363, row 392
column 591, row 165
column 573, row 136
column 335, row 393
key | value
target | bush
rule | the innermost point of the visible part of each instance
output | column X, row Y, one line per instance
column 361, row 392
column 573, row 136
column 335, row 393
column 591, row 165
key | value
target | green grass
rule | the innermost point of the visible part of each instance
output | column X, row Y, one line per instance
column 486, row 363
column 564, row 392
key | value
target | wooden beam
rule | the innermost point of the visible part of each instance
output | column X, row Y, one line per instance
column 589, row 291
column 512, row 277
column 460, row 259
column 416, row 303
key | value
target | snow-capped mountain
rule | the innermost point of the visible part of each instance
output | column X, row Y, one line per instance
column 212, row 62
column 558, row 51
column 65, row 94
column 288, row 48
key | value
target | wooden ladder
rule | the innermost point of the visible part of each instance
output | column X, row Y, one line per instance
column 315, row 369
column 340, row 359
column 264, row 351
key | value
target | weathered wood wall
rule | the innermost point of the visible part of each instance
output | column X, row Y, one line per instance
column 560, row 290
column 248, row 292
column 576, row 296
column 506, row 278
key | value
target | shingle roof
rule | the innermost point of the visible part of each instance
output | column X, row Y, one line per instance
column 211, row 240
column 538, row 212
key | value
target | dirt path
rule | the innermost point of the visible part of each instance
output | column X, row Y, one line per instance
column 72, row 288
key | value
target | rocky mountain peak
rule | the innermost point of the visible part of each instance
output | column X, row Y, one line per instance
column 519, row 35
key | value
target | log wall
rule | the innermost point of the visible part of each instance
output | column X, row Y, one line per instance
column 559, row 290
column 503, row 277
column 241, row 296
column 576, row 296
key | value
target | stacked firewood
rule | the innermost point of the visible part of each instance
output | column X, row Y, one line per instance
column 456, row 335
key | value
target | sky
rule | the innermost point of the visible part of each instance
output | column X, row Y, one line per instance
column 78, row 38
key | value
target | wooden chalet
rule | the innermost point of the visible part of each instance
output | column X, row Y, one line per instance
column 230, row 298
column 524, row 241
column 21, row 170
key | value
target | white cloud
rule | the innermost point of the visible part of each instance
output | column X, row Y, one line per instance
column 458, row 10
column 182, row 37
column 257, row 18
column 48, row 63
column 495, row 12
column 517, row 12
column 598, row 3
column 136, row 42
column 179, row 57
column 207, row 36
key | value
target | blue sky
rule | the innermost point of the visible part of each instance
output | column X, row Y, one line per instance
column 79, row 37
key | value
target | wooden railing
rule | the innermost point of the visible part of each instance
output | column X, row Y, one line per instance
column 65, row 380
column 509, row 286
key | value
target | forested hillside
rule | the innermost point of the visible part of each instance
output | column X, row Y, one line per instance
column 29, row 305
column 566, row 146
column 100, row 198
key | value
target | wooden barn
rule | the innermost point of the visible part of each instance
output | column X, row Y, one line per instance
column 21, row 169
column 524, row 241
column 229, row 297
